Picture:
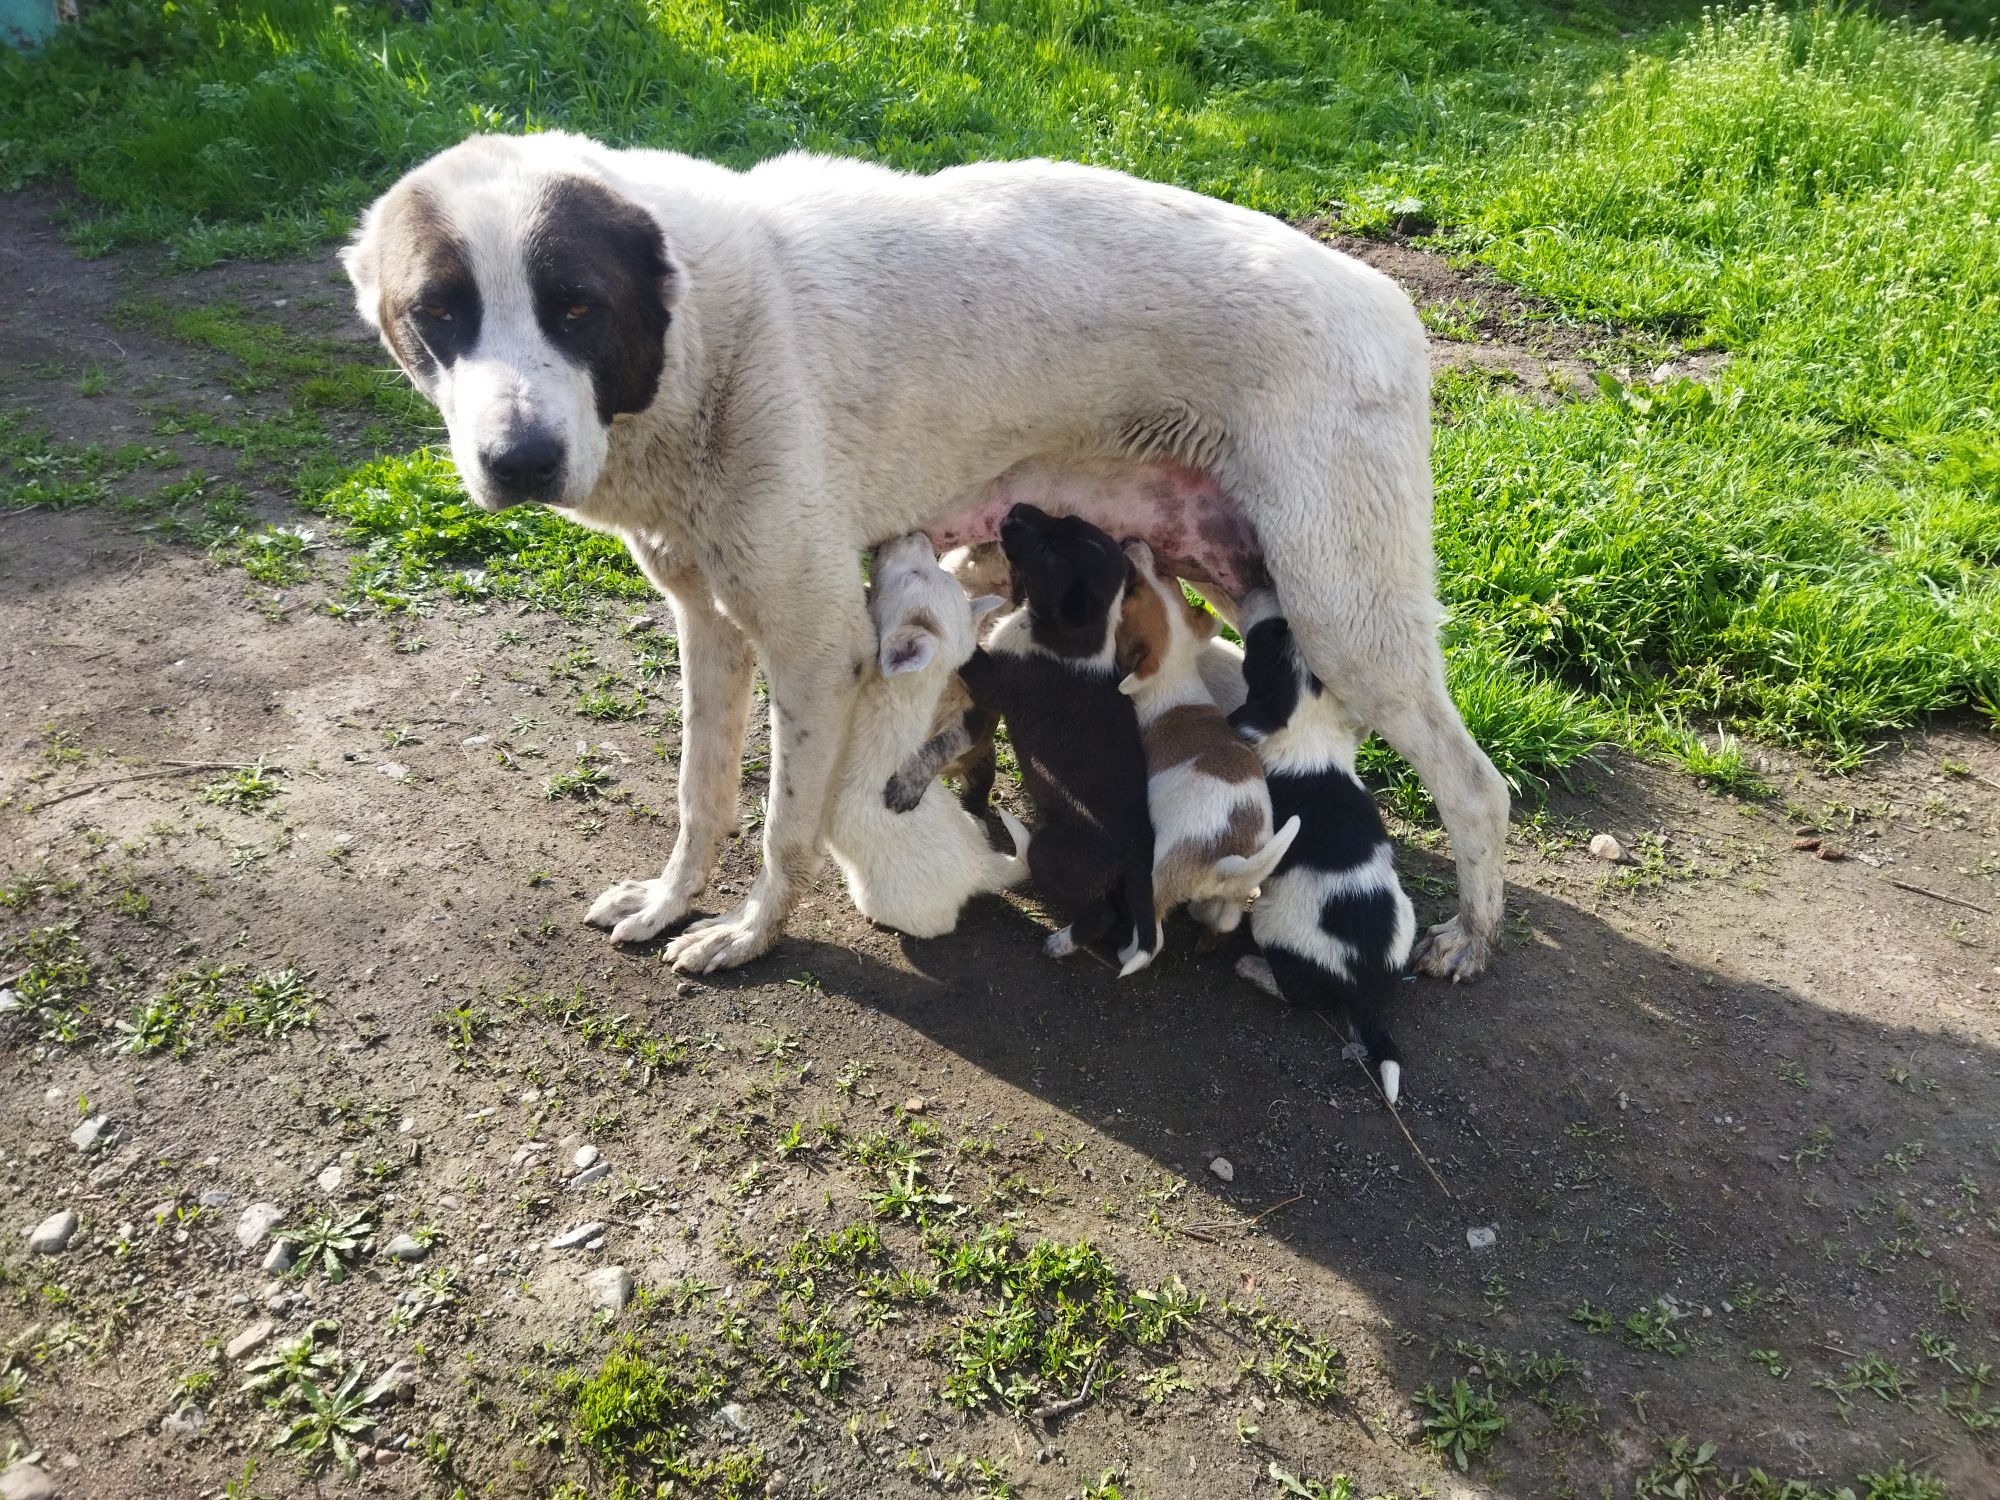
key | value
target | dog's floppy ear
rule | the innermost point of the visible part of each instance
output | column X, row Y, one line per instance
column 361, row 258
column 985, row 604
column 907, row 648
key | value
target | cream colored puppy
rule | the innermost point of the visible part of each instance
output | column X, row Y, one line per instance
column 913, row 871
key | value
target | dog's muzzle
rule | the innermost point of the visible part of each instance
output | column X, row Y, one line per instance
column 526, row 466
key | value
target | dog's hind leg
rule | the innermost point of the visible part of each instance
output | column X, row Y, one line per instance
column 1346, row 537
column 716, row 666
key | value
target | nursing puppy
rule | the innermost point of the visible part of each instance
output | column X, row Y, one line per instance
column 1050, row 672
column 1333, row 923
column 1212, row 841
column 982, row 569
column 913, row 871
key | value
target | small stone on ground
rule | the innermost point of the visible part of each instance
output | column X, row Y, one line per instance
column 256, row 1221
column 570, row 1239
column 407, row 1247
column 1607, row 848
column 23, row 1481
column 250, row 1338
column 1221, row 1168
column 52, row 1235
column 610, row 1288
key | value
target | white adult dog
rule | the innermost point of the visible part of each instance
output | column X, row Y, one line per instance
column 750, row 376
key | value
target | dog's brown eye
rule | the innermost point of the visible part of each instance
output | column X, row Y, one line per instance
column 578, row 311
column 437, row 312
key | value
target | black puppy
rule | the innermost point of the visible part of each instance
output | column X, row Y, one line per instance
column 1048, row 670
column 1332, row 921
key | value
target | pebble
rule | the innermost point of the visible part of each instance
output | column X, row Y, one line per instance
column 86, row 1136
column 402, row 1380
column 473, row 741
column 256, row 1221
column 914, row 1105
column 278, row 1259
column 395, row 769
column 52, row 1235
column 1608, row 849
column 10, row 1002
column 570, row 1239
column 185, row 1424
column 329, row 1180
column 589, row 1175
column 112, row 1172
column 23, row 1481
column 1481, row 1239
column 1221, row 1168
column 585, row 1155
column 733, row 1417
column 215, row 1198
column 406, row 1247
column 610, row 1288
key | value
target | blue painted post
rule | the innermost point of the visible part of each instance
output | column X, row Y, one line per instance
column 29, row 23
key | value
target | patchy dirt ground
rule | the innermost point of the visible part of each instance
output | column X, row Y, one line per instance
column 1727, row 1118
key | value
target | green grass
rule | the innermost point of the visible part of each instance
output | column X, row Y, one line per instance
column 232, row 129
column 1806, row 548
column 1802, row 549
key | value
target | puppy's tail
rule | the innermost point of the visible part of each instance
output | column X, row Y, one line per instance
column 1365, row 1005
column 1369, row 1016
column 1241, row 874
column 1145, row 940
column 1010, row 869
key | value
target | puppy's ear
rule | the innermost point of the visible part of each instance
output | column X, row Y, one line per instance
column 1129, row 684
column 985, row 604
column 907, row 649
column 1138, row 553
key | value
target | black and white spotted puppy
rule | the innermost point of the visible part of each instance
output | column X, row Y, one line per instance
column 1332, row 921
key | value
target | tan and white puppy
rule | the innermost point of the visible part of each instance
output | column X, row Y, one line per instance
column 913, row 871
column 1212, row 839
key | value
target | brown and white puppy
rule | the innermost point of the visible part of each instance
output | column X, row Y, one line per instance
column 1212, row 839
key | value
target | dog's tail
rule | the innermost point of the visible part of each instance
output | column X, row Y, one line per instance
column 1144, row 944
column 1010, row 869
column 1241, row 874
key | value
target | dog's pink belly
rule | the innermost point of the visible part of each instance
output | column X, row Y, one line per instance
column 1195, row 530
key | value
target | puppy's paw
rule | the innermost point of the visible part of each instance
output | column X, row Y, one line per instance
column 723, row 942
column 1132, row 960
column 1257, row 969
column 1060, row 944
column 1449, row 951
column 636, row 910
column 904, row 792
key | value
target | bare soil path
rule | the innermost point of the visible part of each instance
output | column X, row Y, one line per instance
column 1731, row 1113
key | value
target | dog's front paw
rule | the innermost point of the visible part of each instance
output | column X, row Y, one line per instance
column 904, row 792
column 1060, row 943
column 723, row 942
column 636, row 910
column 1449, row 951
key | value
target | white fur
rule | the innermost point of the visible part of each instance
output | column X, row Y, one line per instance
column 1188, row 805
column 855, row 352
column 912, row 871
column 1287, row 914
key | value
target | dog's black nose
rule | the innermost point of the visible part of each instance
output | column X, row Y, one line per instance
column 526, row 465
